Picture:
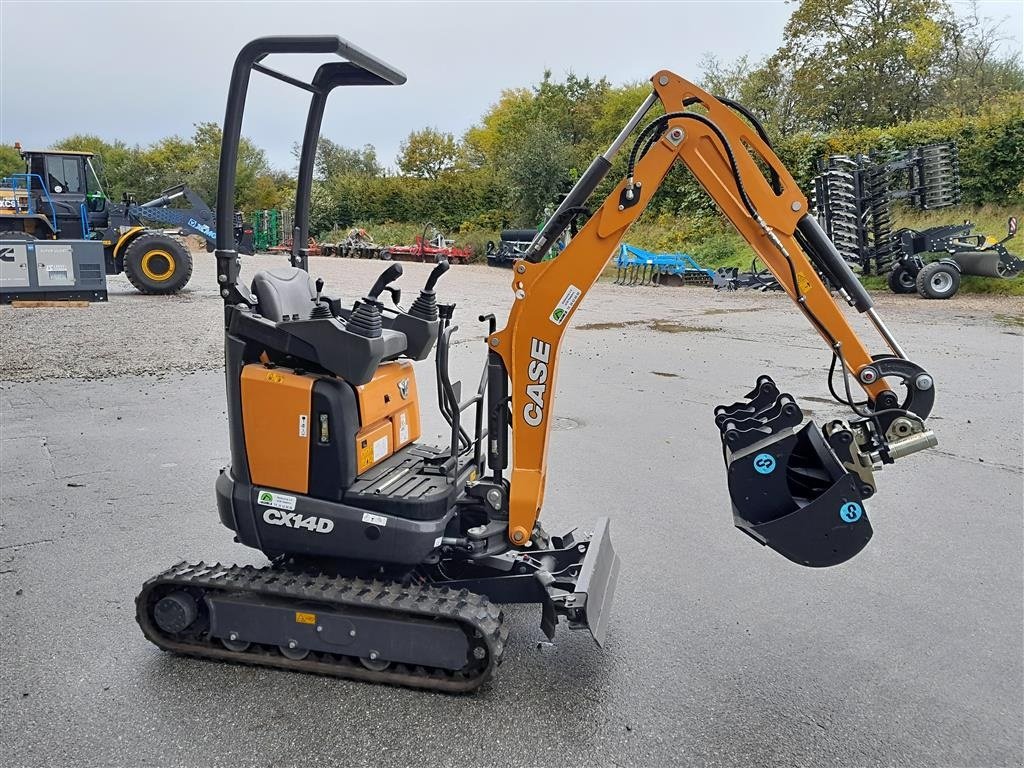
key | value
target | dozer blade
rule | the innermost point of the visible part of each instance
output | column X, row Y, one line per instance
column 596, row 583
column 789, row 490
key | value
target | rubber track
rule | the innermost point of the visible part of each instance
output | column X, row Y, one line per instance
column 475, row 613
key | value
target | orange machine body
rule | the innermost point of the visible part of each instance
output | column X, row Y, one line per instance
column 277, row 421
column 389, row 414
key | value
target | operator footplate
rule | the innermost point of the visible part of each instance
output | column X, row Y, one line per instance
column 789, row 489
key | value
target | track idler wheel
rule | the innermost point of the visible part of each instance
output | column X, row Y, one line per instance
column 175, row 612
column 789, row 490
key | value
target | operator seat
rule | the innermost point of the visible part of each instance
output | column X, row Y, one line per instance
column 288, row 293
column 284, row 293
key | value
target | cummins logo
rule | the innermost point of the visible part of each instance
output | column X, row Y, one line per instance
column 295, row 520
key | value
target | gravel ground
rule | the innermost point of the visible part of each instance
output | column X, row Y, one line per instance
column 719, row 652
column 135, row 334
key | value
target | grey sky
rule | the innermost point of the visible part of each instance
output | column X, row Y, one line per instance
column 140, row 71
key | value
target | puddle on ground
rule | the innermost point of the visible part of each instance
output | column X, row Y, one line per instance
column 1011, row 321
column 662, row 326
column 561, row 423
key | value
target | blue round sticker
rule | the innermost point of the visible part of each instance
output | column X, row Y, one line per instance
column 851, row 512
column 764, row 463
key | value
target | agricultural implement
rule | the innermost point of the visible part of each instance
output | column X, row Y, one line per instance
column 358, row 244
column 433, row 249
column 635, row 266
column 732, row 279
column 512, row 245
column 965, row 254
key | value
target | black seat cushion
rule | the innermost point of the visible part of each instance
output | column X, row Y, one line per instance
column 284, row 293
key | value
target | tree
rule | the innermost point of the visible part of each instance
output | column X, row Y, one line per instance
column 10, row 161
column 720, row 78
column 978, row 73
column 336, row 160
column 876, row 63
column 428, row 153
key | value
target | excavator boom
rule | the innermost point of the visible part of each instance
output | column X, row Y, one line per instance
column 732, row 160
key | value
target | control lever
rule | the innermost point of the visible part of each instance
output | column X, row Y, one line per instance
column 435, row 274
column 365, row 319
column 389, row 275
column 320, row 310
column 425, row 306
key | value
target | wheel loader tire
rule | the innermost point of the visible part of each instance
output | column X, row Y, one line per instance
column 157, row 264
column 13, row 234
column 938, row 281
column 902, row 280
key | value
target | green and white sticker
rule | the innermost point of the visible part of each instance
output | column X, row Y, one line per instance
column 564, row 306
column 276, row 500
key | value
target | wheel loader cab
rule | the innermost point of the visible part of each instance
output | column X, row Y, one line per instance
column 73, row 187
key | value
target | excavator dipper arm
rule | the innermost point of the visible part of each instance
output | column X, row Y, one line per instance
column 730, row 158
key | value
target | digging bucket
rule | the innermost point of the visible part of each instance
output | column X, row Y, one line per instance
column 789, row 490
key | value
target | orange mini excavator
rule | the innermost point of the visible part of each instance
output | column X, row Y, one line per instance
column 388, row 556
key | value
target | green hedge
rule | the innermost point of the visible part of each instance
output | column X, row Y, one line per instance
column 991, row 148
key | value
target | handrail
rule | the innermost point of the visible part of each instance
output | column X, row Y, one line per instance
column 13, row 179
column 451, row 408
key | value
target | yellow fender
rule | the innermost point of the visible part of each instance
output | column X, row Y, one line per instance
column 126, row 238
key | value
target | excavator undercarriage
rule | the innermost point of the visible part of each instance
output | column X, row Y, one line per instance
column 388, row 557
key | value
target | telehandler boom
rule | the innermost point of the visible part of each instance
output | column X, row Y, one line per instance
column 388, row 555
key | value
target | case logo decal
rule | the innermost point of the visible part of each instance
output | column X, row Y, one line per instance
column 540, row 353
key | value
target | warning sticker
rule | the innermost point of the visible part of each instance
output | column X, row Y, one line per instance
column 403, row 428
column 303, row 425
column 803, row 282
column 568, row 301
column 276, row 500
column 305, row 618
column 380, row 448
column 374, row 519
